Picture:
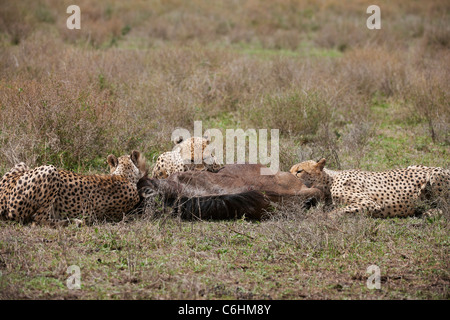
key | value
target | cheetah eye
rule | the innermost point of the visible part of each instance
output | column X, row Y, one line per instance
column 300, row 171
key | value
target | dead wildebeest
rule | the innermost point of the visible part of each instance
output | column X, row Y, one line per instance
column 232, row 192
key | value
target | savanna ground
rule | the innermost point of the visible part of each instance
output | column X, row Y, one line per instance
column 369, row 99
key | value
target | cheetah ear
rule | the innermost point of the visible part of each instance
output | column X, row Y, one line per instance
column 294, row 169
column 321, row 164
column 207, row 138
column 178, row 140
column 112, row 161
column 134, row 156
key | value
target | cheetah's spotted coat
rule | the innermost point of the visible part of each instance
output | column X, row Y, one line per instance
column 380, row 194
column 47, row 195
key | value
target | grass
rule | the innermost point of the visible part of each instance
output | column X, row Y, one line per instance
column 374, row 100
column 302, row 257
column 304, row 50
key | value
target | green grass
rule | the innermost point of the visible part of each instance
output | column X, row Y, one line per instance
column 136, row 71
column 305, row 49
column 309, row 257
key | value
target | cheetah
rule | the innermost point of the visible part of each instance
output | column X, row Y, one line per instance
column 183, row 158
column 50, row 196
column 379, row 194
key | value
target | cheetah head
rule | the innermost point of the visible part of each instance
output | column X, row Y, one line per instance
column 196, row 148
column 310, row 172
column 132, row 167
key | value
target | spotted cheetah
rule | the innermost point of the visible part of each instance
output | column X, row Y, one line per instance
column 51, row 196
column 190, row 154
column 380, row 194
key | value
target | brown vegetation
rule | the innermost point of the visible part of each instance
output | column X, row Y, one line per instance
column 372, row 99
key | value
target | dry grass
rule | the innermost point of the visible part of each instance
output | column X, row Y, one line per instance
column 295, row 256
column 137, row 70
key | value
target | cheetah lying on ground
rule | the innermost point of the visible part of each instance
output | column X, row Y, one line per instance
column 380, row 194
column 47, row 195
column 183, row 157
